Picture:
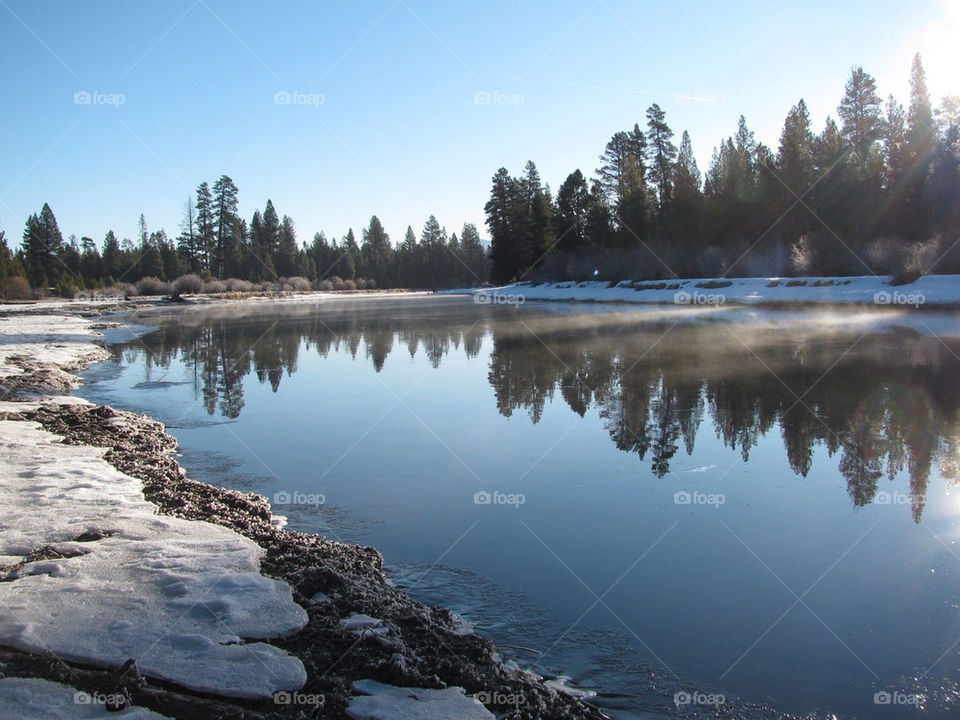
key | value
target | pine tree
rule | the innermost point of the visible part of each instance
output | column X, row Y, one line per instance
column 150, row 262
column 188, row 245
column 111, row 257
column 795, row 165
column 224, row 218
column 42, row 242
column 90, row 263
column 573, row 207
column 473, row 254
column 920, row 126
column 378, row 253
column 859, row 113
column 6, row 259
column 408, row 273
column 206, row 232
column 285, row 259
column 504, row 250
column 687, row 202
column 662, row 154
column 352, row 261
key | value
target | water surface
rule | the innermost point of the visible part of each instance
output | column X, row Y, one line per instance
column 650, row 501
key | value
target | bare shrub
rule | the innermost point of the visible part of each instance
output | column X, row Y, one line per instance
column 802, row 256
column 16, row 288
column 241, row 286
column 297, row 284
column 337, row 282
column 904, row 260
column 188, row 284
column 215, row 287
column 349, row 285
column 325, row 285
column 120, row 290
column 152, row 286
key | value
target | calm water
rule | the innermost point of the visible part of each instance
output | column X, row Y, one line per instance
column 759, row 506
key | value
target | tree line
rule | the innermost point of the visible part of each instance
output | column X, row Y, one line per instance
column 877, row 192
column 215, row 243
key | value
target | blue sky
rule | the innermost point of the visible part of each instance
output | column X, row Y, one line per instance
column 399, row 132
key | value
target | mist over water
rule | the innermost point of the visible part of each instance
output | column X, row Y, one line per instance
column 657, row 501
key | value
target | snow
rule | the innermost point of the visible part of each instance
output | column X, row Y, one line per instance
column 364, row 625
column 927, row 290
column 181, row 597
column 36, row 699
column 60, row 340
column 387, row 702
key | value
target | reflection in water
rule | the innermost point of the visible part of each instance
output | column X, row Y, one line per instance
column 881, row 402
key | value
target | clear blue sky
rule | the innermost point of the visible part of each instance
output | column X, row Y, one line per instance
column 399, row 133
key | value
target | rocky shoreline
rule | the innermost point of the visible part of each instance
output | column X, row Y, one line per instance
column 360, row 627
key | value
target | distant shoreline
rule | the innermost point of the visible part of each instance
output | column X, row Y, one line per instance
column 940, row 291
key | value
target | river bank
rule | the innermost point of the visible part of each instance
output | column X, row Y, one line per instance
column 112, row 555
column 878, row 291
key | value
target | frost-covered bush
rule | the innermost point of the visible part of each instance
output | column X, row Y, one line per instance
column 120, row 290
column 152, row 286
column 214, row 287
column 16, row 288
column 349, row 285
column 337, row 282
column 325, row 285
column 188, row 284
column 297, row 283
column 238, row 285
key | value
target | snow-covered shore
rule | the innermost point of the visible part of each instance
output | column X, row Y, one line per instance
column 929, row 290
column 126, row 586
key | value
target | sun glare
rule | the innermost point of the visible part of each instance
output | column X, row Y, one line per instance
column 940, row 48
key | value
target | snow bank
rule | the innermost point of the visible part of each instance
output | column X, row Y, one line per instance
column 387, row 702
column 179, row 596
column 32, row 698
column 60, row 340
column 928, row 290
column 95, row 575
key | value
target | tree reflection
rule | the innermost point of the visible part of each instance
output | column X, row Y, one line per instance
column 883, row 403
